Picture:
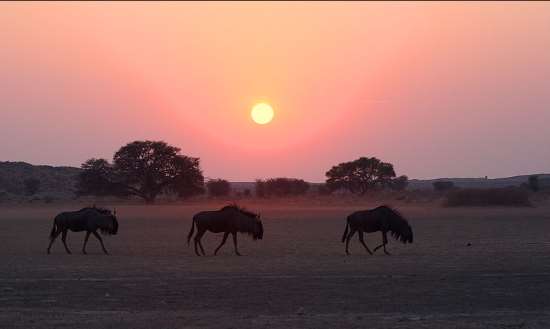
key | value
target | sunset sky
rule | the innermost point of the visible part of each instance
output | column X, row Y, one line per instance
column 437, row 89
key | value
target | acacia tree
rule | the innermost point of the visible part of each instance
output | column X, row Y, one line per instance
column 360, row 175
column 144, row 169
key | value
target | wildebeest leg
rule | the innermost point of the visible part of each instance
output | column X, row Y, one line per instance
column 52, row 239
column 351, row 233
column 202, row 248
column 362, row 240
column 200, row 233
column 64, row 239
column 235, row 243
column 384, row 243
column 225, row 235
column 101, row 241
column 85, row 242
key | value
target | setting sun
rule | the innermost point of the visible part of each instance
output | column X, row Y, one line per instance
column 262, row 113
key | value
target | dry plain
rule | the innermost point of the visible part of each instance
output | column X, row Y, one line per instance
column 297, row 277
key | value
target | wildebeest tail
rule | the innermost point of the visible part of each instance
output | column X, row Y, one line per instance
column 192, row 231
column 346, row 231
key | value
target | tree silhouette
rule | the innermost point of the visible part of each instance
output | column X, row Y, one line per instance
column 144, row 169
column 360, row 175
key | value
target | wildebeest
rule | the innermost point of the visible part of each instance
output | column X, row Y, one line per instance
column 384, row 219
column 229, row 219
column 88, row 219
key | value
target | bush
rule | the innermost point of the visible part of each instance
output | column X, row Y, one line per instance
column 399, row 184
column 281, row 187
column 510, row 196
column 443, row 185
column 218, row 187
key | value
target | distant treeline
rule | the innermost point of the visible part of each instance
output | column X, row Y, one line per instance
column 150, row 169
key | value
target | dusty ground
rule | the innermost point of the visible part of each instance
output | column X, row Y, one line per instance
column 297, row 277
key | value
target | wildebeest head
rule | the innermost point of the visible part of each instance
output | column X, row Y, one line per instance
column 408, row 234
column 399, row 227
column 111, row 225
column 258, row 233
column 114, row 228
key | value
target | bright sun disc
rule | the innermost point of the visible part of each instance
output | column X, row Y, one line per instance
column 262, row 113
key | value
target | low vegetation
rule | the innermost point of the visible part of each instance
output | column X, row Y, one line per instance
column 443, row 186
column 511, row 196
column 281, row 186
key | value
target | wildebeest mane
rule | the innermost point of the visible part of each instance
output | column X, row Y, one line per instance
column 248, row 223
column 102, row 211
column 105, row 212
column 241, row 209
column 399, row 226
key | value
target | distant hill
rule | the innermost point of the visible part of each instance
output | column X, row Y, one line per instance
column 425, row 184
column 60, row 182
column 55, row 182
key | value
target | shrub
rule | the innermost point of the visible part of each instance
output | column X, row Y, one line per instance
column 281, row 187
column 218, row 187
column 509, row 196
column 399, row 184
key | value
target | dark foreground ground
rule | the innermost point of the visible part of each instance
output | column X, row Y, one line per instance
column 297, row 277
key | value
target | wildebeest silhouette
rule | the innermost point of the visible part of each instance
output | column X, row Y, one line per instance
column 88, row 219
column 384, row 219
column 229, row 219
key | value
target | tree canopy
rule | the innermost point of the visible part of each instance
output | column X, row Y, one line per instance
column 360, row 175
column 144, row 169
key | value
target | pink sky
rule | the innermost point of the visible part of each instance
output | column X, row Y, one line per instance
column 438, row 89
